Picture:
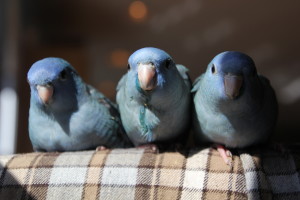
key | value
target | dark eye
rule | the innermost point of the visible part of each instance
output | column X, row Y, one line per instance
column 168, row 63
column 128, row 66
column 63, row 75
column 213, row 69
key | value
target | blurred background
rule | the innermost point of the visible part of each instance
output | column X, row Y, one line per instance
column 97, row 37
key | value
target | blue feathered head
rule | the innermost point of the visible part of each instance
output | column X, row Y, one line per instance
column 53, row 82
column 151, row 68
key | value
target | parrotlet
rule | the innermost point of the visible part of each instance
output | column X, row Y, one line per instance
column 154, row 98
column 233, row 105
column 68, row 115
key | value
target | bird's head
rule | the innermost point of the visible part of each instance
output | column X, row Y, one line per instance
column 229, row 73
column 150, row 67
column 52, row 81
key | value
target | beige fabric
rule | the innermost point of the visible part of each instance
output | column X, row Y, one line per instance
column 143, row 174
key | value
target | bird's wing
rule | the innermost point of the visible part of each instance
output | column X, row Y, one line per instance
column 263, row 79
column 183, row 71
column 197, row 83
column 269, row 91
column 121, row 82
column 120, row 97
column 95, row 94
column 113, row 110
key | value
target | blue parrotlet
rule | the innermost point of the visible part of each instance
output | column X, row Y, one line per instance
column 68, row 115
column 154, row 98
column 234, row 107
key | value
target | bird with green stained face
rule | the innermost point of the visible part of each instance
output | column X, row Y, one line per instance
column 154, row 98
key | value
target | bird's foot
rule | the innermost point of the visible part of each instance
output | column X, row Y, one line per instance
column 225, row 154
column 152, row 147
column 101, row 148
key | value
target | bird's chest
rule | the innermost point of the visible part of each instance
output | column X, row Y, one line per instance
column 50, row 133
column 140, row 121
column 46, row 132
column 149, row 118
column 145, row 116
column 233, row 130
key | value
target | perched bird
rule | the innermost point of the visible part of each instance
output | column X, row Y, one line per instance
column 233, row 105
column 68, row 115
column 154, row 98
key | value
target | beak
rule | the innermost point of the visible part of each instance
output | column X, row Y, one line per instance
column 233, row 84
column 45, row 92
column 147, row 76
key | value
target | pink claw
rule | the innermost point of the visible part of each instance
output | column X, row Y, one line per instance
column 101, row 148
column 152, row 147
column 225, row 154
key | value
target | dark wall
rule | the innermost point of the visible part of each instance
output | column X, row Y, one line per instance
column 2, row 25
column 97, row 37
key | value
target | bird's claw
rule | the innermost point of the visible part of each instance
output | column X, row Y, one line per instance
column 228, row 153
column 101, row 148
column 152, row 147
column 225, row 154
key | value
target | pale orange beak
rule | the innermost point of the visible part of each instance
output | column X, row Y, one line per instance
column 45, row 92
column 147, row 76
column 233, row 84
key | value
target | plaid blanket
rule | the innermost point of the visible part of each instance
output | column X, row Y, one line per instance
column 143, row 174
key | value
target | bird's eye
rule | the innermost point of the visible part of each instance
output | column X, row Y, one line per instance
column 213, row 69
column 168, row 63
column 128, row 66
column 63, row 75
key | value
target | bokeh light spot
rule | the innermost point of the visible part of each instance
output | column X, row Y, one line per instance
column 138, row 10
column 119, row 58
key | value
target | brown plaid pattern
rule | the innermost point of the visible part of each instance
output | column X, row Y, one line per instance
column 142, row 174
